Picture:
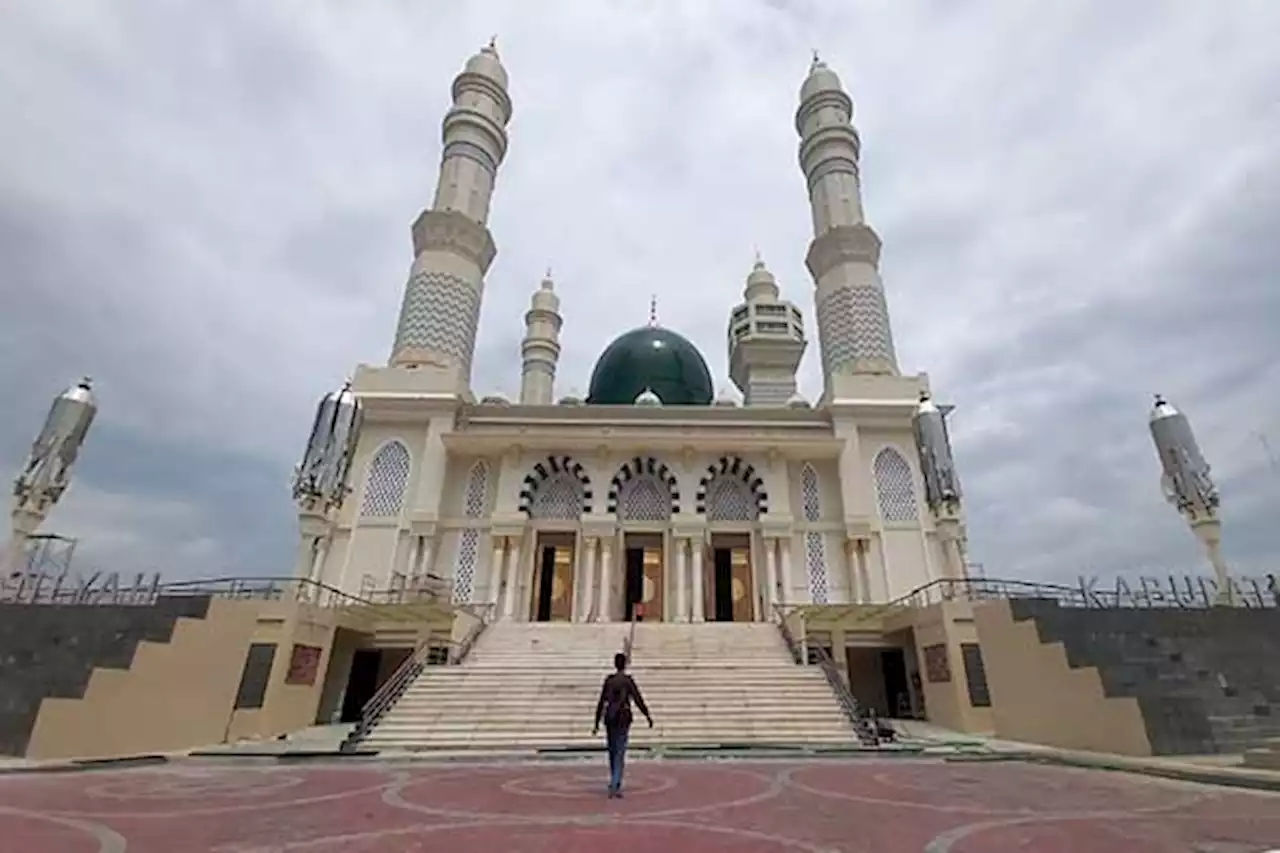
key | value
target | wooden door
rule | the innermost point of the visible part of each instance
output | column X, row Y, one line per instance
column 562, row 585
column 652, row 592
column 740, row 565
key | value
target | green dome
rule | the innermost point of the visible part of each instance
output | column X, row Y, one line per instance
column 655, row 359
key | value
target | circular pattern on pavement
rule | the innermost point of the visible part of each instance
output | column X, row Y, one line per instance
column 559, row 791
column 831, row 806
column 992, row 789
column 584, row 784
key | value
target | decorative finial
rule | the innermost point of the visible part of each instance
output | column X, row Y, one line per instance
column 759, row 259
column 653, row 310
column 817, row 60
column 548, row 275
column 493, row 43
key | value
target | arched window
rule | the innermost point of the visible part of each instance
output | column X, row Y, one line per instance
column 385, row 486
column 558, row 497
column 815, row 551
column 895, row 490
column 475, row 501
column 644, row 498
column 730, row 499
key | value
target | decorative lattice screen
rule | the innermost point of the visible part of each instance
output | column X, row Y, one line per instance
column 894, row 488
column 385, row 486
column 730, row 499
column 475, row 502
column 810, row 495
column 644, row 498
column 815, row 552
column 558, row 497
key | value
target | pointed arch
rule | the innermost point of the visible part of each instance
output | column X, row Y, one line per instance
column 895, row 487
column 644, row 489
column 721, row 482
column 475, row 502
column 385, row 484
column 815, row 548
column 551, row 488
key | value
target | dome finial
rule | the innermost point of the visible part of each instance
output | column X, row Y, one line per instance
column 492, row 46
column 653, row 310
column 817, row 61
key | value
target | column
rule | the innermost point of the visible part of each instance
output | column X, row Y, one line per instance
column 587, row 561
column 698, row 594
column 757, row 580
column 511, row 572
column 784, row 554
column 317, row 567
column 864, row 579
column 771, row 570
column 415, row 555
column 851, row 569
column 305, row 561
column 425, row 553
column 682, row 592
column 605, row 613
column 496, row 571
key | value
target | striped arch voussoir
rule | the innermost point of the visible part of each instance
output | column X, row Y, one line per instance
column 545, row 470
column 637, row 467
column 732, row 466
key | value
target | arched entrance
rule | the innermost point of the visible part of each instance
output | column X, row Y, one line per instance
column 732, row 498
column 554, row 497
column 644, row 495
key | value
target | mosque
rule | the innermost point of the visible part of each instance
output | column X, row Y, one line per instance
column 652, row 496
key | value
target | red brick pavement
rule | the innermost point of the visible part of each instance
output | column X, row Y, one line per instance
column 887, row 806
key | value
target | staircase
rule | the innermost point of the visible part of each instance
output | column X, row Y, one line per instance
column 535, row 686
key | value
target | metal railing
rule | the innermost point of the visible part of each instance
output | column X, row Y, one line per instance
column 865, row 730
column 386, row 696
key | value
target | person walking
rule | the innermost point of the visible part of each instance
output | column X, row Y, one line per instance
column 614, row 707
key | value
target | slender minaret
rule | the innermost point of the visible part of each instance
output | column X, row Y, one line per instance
column 540, row 348
column 452, row 247
column 853, row 319
column 766, row 342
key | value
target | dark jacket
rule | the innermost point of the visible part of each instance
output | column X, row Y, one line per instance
column 616, row 696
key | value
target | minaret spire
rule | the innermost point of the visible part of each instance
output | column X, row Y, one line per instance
column 540, row 349
column 453, row 248
column 653, row 310
column 844, row 257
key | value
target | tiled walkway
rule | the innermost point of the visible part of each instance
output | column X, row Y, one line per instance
column 885, row 806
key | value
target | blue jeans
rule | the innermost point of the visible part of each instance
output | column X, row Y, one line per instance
column 616, row 742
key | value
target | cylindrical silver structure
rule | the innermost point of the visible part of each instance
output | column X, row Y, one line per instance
column 1185, row 479
column 326, row 462
column 941, row 484
column 47, row 472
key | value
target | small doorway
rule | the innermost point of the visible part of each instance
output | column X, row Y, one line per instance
column 893, row 664
column 362, row 683
column 642, row 578
column 729, row 593
column 553, row 578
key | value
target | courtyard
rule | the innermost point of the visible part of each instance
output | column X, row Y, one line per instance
column 884, row 805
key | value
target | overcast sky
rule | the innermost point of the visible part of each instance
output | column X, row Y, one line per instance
column 205, row 206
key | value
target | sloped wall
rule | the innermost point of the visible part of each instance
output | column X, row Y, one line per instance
column 1038, row 697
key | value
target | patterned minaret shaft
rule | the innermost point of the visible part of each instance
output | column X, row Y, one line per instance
column 540, row 349
column 853, row 319
column 766, row 342
column 452, row 247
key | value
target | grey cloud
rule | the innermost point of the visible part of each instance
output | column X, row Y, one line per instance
column 1076, row 203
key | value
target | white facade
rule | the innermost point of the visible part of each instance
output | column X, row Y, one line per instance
column 572, row 512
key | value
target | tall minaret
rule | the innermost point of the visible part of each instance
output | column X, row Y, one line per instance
column 452, row 247
column 540, row 348
column 853, row 320
column 766, row 342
